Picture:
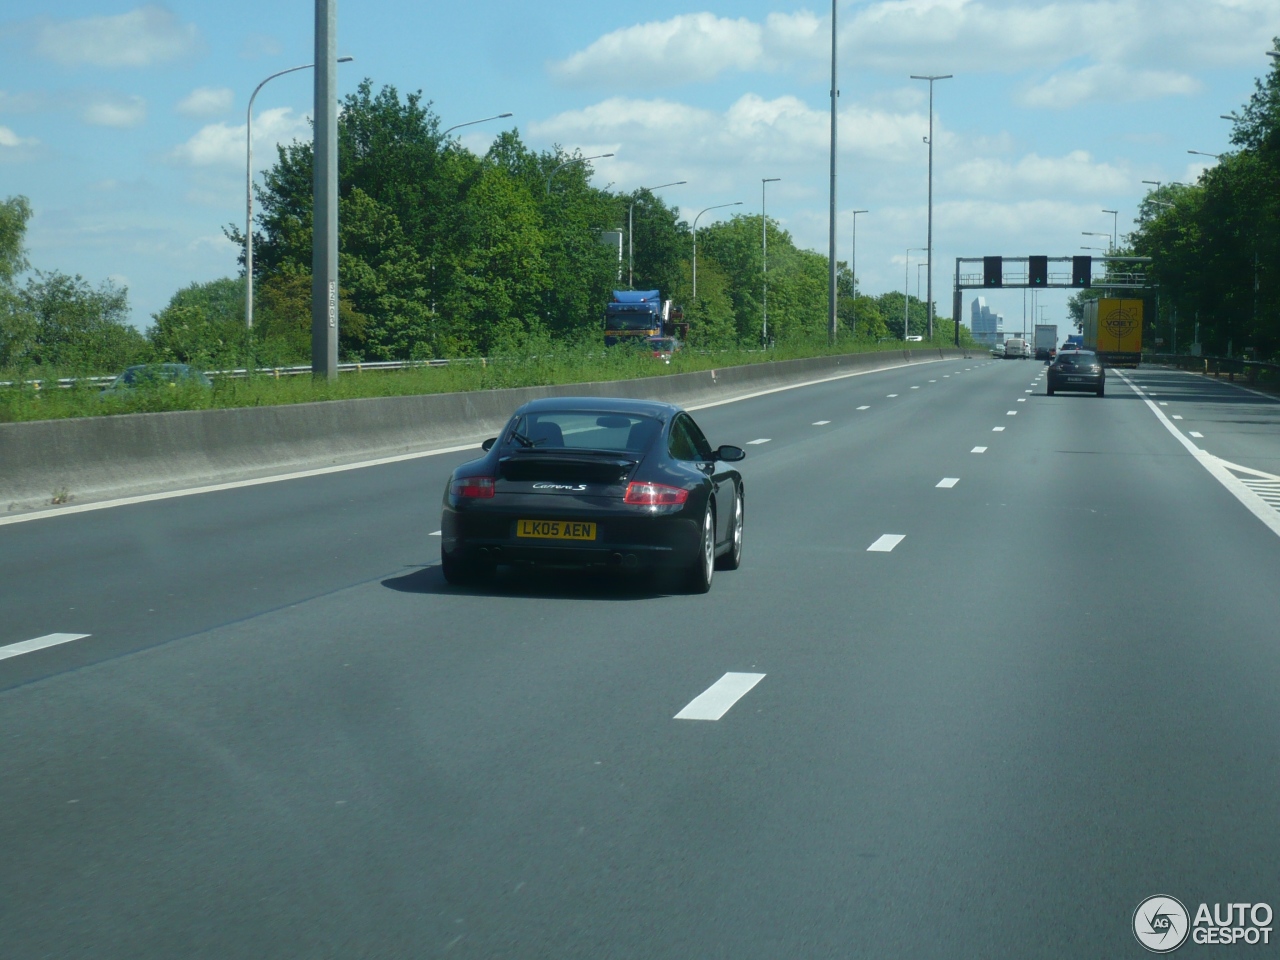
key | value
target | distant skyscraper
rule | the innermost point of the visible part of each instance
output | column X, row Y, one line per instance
column 987, row 327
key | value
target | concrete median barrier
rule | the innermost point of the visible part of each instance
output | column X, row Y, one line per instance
column 98, row 458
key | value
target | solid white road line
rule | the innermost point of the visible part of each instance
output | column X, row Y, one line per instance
column 821, row 423
column 715, row 701
column 864, row 408
column 978, row 450
column 997, row 429
column 948, row 482
column 1198, row 436
column 1218, row 469
column 761, row 440
column 39, row 643
column 886, row 543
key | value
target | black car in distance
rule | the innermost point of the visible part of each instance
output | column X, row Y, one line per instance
column 1076, row 370
column 596, row 482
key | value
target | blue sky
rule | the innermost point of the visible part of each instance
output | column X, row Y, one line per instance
column 124, row 123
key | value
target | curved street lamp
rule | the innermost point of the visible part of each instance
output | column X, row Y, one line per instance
column 469, row 123
column 694, row 231
column 567, row 163
column 631, row 258
column 248, row 189
column 1201, row 153
column 1115, row 228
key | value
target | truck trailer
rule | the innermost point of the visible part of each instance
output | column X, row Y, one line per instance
column 1113, row 330
column 634, row 315
column 1046, row 340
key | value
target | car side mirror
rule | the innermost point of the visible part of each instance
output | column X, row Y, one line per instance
column 730, row 454
column 488, row 444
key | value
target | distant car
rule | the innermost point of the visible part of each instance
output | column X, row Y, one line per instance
column 1076, row 370
column 914, row 338
column 998, row 351
column 157, row 374
column 595, row 482
column 1015, row 348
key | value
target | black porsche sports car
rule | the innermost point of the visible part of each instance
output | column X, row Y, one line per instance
column 591, row 481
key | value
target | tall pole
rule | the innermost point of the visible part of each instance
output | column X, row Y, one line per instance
column 831, row 215
column 1115, row 228
column 929, row 241
column 324, row 225
column 853, row 251
column 764, row 263
column 694, row 231
column 248, row 187
column 906, row 292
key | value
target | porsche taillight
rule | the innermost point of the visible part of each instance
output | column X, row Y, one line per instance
column 642, row 494
column 472, row 488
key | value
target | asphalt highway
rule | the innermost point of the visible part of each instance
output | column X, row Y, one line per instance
column 1048, row 693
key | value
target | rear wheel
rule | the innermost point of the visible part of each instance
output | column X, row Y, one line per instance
column 461, row 572
column 1049, row 389
column 1102, row 390
column 733, row 559
column 698, row 579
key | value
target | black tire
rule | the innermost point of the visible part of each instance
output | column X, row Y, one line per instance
column 702, row 570
column 733, row 559
column 1048, row 391
column 1102, row 390
column 463, row 573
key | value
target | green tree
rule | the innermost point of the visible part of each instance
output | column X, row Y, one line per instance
column 76, row 327
column 203, row 324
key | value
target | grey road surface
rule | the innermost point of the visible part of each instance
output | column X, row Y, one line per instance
column 1049, row 694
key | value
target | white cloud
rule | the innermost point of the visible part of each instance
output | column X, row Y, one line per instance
column 112, row 111
column 913, row 36
column 1076, row 173
column 10, row 140
column 222, row 145
column 138, row 38
column 1108, row 83
column 206, row 102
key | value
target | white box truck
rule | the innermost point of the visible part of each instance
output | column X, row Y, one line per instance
column 1046, row 340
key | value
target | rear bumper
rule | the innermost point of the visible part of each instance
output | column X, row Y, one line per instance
column 1084, row 382
column 621, row 541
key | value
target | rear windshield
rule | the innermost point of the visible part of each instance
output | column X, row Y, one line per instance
column 583, row 430
column 1083, row 356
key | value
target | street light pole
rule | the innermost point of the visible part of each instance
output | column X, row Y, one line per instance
column 831, row 213
column 248, row 188
column 764, row 262
column 631, row 258
column 929, row 294
column 324, row 195
column 1115, row 228
column 906, row 292
column 567, row 163
column 853, row 251
column 719, row 206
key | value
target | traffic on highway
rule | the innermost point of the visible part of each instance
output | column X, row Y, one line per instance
column 258, row 721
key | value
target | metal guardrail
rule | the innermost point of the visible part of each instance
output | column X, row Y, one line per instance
column 1253, row 371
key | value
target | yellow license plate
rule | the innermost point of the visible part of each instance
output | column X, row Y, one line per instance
column 556, row 529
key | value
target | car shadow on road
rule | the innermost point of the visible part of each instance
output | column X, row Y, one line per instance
column 537, row 584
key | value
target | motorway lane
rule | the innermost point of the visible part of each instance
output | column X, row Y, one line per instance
column 940, row 760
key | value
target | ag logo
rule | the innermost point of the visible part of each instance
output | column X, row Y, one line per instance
column 1161, row 924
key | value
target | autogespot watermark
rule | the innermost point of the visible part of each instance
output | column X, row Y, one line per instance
column 1162, row 924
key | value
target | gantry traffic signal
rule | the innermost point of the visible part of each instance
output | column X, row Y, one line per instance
column 993, row 271
column 1038, row 271
column 1081, row 271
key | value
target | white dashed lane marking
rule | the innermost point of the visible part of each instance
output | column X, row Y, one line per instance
column 714, row 702
column 1164, row 403
column 1011, row 413
column 933, row 381
column 864, row 407
column 886, row 543
column 946, row 483
column 761, row 440
column 821, row 423
column 1198, row 436
column 1022, row 399
column 39, row 643
column 891, row 395
column 915, row 388
column 997, row 429
column 978, row 450
column 1176, row 417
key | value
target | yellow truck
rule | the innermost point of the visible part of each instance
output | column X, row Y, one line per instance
column 1113, row 330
